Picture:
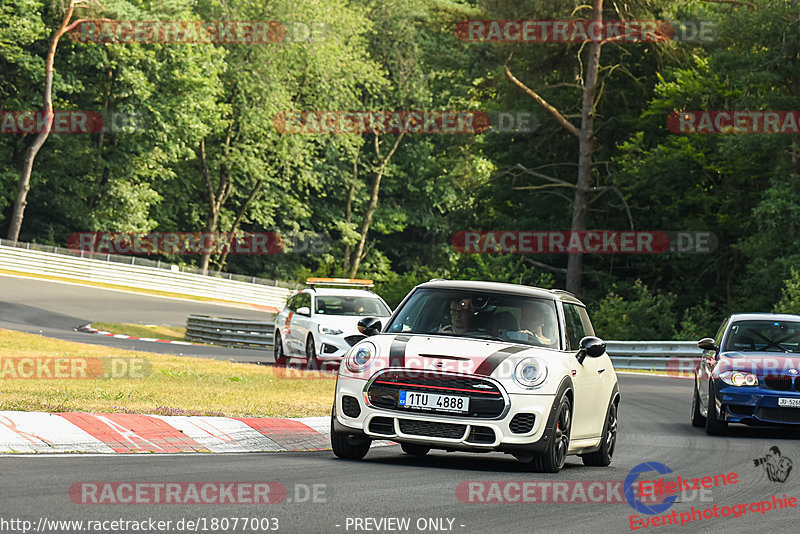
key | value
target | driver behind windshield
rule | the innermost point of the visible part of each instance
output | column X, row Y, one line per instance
column 461, row 312
column 537, row 324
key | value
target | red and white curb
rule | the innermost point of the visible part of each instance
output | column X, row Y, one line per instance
column 39, row 432
column 87, row 328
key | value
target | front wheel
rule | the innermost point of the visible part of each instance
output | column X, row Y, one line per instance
column 280, row 355
column 602, row 457
column 714, row 427
column 348, row 447
column 312, row 363
column 698, row 421
column 553, row 459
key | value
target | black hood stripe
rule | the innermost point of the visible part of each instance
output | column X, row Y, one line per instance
column 397, row 351
column 493, row 360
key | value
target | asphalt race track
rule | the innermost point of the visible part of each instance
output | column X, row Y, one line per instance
column 55, row 309
column 654, row 426
column 353, row 496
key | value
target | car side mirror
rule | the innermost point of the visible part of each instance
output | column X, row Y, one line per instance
column 707, row 343
column 304, row 310
column 369, row 326
column 591, row 346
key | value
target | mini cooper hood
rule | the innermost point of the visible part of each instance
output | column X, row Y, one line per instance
column 450, row 354
column 760, row 363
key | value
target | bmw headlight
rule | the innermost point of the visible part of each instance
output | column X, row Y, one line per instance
column 739, row 378
column 360, row 357
column 329, row 331
column 530, row 372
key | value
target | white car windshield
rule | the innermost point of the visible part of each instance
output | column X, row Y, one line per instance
column 498, row 316
column 353, row 305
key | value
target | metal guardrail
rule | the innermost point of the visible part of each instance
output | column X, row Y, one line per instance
column 134, row 272
column 230, row 332
column 638, row 355
column 673, row 356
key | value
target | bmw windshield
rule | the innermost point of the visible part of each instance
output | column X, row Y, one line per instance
column 764, row 336
column 482, row 315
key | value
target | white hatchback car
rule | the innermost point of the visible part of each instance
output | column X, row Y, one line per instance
column 480, row 367
column 320, row 324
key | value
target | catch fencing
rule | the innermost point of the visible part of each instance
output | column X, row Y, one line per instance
column 139, row 273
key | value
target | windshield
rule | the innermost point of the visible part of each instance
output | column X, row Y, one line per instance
column 769, row 336
column 355, row 306
column 483, row 315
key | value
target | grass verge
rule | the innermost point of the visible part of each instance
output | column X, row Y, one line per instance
column 173, row 333
column 171, row 385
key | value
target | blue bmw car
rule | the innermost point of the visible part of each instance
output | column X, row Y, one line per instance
column 749, row 373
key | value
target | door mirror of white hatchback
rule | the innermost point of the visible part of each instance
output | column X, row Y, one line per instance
column 369, row 326
column 304, row 310
column 591, row 346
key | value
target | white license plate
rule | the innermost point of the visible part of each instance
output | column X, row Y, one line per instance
column 789, row 403
column 433, row 401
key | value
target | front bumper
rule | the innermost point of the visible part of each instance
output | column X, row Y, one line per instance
column 443, row 431
column 755, row 405
column 331, row 347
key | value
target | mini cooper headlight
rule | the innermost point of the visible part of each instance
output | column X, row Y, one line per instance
column 530, row 372
column 329, row 331
column 360, row 357
column 739, row 378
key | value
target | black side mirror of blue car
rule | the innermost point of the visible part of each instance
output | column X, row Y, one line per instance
column 707, row 343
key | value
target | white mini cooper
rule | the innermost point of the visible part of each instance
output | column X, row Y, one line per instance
column 480, row 367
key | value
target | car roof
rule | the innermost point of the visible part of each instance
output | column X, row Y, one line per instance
column 338, row 292
column 763, row 316
column 528, row 291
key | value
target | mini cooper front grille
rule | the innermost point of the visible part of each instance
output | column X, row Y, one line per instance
column 481, row 434
column 352, row 340
column 485, row 398
column 382, row 425
column 431, row 429
column 779, row 382
column 779, row 415
column 522, row 423
column 350, row 406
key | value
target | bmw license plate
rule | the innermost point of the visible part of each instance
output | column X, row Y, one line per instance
column 789, row 403
column 433, row 401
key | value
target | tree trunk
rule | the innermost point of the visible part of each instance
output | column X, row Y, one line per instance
column 239, row 217
column 585, row 135
column 24, row 185
column 348, row 210
column 580, row 203
column 216, row 199
column 373, row 203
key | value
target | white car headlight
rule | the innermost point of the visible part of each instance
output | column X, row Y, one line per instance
column 530, row 372
column 739, row 378
column 329, row 331
column 360, row 357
